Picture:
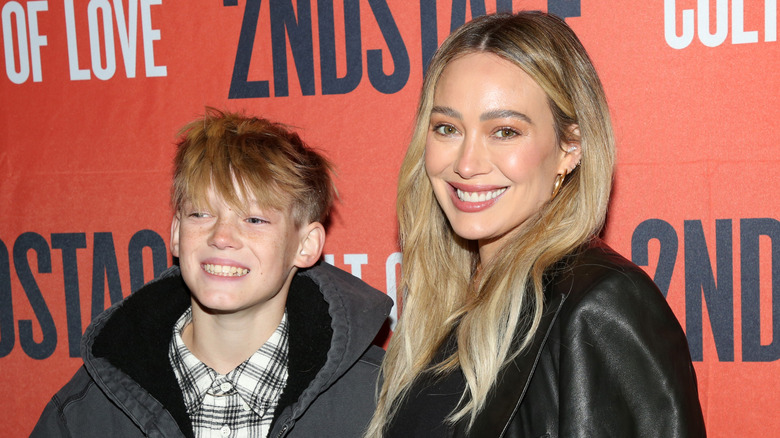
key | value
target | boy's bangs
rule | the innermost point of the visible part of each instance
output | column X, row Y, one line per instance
column 236, row 191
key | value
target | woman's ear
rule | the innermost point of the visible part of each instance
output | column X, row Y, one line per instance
column 311, row 244
column 572, row 150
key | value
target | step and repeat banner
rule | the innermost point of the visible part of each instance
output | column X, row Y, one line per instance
column 94, row 92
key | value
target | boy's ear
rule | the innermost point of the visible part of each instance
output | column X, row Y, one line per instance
column 311, row 245
column 175, row 235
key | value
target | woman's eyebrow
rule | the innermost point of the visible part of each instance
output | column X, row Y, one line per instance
column 489, row 115
column 446, row 111
column 504, row 113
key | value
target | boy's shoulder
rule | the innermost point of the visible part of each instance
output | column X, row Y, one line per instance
column 81, row 408
column 75, row 391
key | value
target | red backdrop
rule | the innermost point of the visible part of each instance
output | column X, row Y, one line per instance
column 94, row 92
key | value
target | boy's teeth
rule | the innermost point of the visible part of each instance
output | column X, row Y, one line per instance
column 479, row 196
column 224, row 270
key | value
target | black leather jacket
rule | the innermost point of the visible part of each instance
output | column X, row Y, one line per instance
column 609, row 360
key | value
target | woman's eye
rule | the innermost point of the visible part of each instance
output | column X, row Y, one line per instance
column 198, row 214
column 506, row 133
column 444, row 129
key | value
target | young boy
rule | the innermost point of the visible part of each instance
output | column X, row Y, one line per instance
column 248, row 336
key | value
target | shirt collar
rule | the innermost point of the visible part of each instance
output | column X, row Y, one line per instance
column 259, row 380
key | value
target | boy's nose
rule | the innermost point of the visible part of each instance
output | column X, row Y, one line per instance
column 224, row 235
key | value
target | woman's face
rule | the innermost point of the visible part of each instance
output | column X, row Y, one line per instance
column 491, row 152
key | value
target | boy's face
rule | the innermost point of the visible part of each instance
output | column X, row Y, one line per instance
column 241, row 263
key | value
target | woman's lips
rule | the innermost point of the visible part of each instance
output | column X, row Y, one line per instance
column 472, row 199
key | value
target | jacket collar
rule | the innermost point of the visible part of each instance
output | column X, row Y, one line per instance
column 323, row 349
column 357, row 310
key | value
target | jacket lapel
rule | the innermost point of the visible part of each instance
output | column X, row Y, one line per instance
column 513, row 380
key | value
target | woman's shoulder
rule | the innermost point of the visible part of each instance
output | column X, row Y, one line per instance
column 597, row 277
column 606, row 300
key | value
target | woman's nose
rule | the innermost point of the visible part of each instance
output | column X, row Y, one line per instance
column 472, row 159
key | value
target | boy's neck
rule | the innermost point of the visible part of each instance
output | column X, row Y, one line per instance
column 224, row 341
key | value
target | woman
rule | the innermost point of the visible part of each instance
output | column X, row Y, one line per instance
column 517, row 320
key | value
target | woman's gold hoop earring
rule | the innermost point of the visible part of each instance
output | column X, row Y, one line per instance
column 559, row 183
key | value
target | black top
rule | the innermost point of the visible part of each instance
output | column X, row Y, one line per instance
column 430, row 401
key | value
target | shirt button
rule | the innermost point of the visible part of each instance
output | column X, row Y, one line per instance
column 226, row 387
column 244, row 406
column 225, row 431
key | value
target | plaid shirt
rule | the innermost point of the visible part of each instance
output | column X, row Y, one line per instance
column 240, row 404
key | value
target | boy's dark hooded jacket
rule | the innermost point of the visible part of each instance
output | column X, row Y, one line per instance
column 127, row 387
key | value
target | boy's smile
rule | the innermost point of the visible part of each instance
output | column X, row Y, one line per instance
column 224, row 270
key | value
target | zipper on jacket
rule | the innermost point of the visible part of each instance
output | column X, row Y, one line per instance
column 282, row 432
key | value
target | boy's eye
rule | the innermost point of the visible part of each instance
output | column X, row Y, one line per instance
column 256, row 220
column 445, row 129
column 506, row 133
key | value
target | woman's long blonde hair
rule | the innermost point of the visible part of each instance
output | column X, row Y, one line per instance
column 438, row 266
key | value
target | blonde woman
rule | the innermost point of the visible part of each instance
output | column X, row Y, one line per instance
column 517, row 321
